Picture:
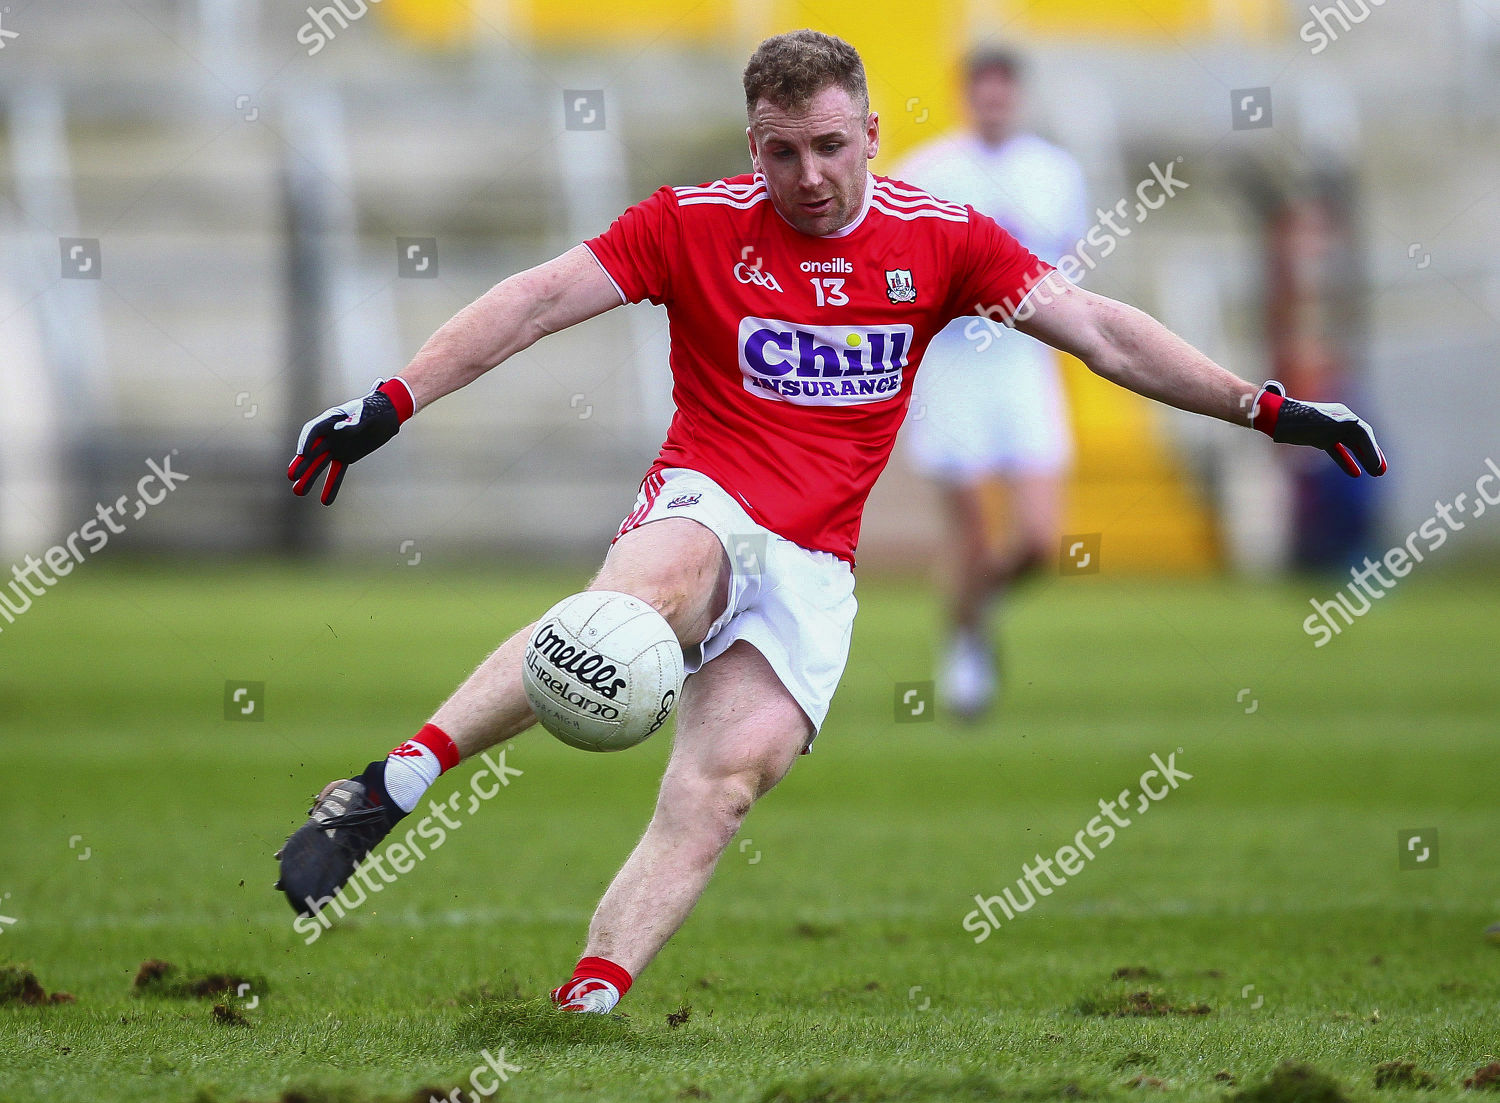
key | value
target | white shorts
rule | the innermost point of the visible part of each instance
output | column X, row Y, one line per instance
column 995, row 410
column 793, row 605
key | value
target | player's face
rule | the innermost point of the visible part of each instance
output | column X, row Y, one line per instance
column 994, row 105
column 814, row 159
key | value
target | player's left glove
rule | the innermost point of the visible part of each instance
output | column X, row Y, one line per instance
column 342, row 434
column 1331, row 426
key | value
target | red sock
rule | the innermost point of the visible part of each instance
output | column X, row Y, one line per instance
column 436, row 740
column 593, row 969
column 601, row 968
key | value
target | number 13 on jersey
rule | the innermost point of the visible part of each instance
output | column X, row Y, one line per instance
column 830, row 291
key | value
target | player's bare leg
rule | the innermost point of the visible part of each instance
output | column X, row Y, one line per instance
column 738, row 732
column 967, row 565
column 968, row 677
column 978, row 577
column 1035, row 524
column 675, row 564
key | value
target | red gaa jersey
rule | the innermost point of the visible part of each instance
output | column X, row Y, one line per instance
column 793, row 355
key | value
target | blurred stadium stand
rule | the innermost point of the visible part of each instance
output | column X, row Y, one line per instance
column 248, row 198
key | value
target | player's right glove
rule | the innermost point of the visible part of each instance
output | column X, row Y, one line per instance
column 342, row 434
column 1331, row 426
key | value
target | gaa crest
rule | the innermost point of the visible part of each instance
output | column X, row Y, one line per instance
column 898, row 285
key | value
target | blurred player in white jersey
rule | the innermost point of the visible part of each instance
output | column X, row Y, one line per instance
column 989, row 407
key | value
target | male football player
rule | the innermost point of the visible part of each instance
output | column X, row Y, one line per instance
column 801, row 297
column 991, row 402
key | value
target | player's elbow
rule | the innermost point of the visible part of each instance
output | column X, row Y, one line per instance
column 1072, row 320
column 524, row 303
column 1103, row 339
column 1108, row 361
column 546, row 302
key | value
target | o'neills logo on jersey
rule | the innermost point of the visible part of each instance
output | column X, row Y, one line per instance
column 590, row 668
column 822, row 365
column 838, row 266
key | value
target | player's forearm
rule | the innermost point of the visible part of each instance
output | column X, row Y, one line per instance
column 487, row 332
column 1136, row 351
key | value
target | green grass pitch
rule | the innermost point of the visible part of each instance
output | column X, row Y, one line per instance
column 828, row 960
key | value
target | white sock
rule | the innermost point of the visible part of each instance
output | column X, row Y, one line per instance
column 409, row 770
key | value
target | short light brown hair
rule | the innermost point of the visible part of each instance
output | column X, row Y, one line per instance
column 790, row 69
column 1001, row 60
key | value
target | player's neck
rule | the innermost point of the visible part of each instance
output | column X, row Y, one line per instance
column 846, row 228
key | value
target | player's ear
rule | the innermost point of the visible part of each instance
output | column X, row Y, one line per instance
column 754, row 153
column 872, row 136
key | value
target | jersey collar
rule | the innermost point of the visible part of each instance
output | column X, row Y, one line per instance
column 845, row 231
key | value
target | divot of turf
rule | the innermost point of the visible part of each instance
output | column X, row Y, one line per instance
column 1133, row 972
column 1403, row 1074
column 868, row 1087
column 1294, row 1082
column 162, row 978
column 1485, row 1078
column 816, row 931
column 228, row 1016
column 19, row 985
column 680, row 1016
column 346, row 1095
column 427, row 1095
column 1145, row 1002
column 291, row 1095
column 494, row 1023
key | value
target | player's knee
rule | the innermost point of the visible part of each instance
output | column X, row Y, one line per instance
column 667, row 595
column 713, row 807
column 728, row 799
column 734, row 801
column 972, row 547
column 677, row 566
column 677, row 601
column 1036, row 551
column 682, row 597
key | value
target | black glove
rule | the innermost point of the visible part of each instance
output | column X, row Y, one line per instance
column 1331, row 426
column 342, row 434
